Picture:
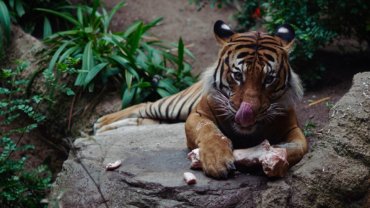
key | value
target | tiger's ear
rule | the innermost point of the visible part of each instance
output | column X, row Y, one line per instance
column 222, row 32
column 287, row 35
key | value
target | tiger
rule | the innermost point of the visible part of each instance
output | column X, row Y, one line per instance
column 247, row 96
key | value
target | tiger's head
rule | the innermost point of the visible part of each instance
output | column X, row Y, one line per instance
column 252, row 81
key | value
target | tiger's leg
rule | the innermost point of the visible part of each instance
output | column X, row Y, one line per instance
column 295, row 145
column 127, row 117
column 215, row 149
column 126, row 122
column 172, row 108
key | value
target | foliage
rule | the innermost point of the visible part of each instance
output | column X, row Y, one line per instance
column 213, row 3
column 4, row 27
column 143, row 65
column 23, row 13
column 308, row 128
column 316, row 23
column 19, row 187
column 39, row 24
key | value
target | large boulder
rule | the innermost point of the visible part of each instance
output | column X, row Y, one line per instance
column 335, row 172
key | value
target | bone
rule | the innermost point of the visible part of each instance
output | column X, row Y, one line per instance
column 113, row 165
column 194, row 157
column 273, row 159
column 253, row 155
column 190, row 178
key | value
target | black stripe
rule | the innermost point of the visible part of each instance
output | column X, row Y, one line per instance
column 168, row 108
column 218, row 65
column 221, row 73
column 242, row 55
column 155, row 113
column 179, row 113
column 268, row 42
column 159, row 107
column 150, row 114
column 175, row 104
column 268, row 48
column 269, row 57
column 251, row 46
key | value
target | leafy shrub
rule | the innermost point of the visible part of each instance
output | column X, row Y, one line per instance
column 143, row 65
column 39, row 24
column 19, row 187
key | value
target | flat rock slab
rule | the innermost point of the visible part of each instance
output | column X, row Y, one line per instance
column 335, row 172
column 153, row 162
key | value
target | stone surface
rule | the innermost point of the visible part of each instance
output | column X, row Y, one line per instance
column 335, row 172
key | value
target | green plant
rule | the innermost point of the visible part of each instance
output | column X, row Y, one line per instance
column 39, row 24
column 145, row 67
column 4, row 27
column 19, row 187
column 213, row 3
column 14, row 105
column 308, row 128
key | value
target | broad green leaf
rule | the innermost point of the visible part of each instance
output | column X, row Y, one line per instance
column 93, row 72
column 167, row 84
column 132, row 28
column 5, row 20
column 61, row 34
column 127, row 97
column 80, row 16
column 141, row 60
column 11, row 3
column 180, row 55
column 162, row 92
column 47, row 28
column 19, row 8
column 144, row 85
column 87, row 64
column 128, row 77
column 67, row 53
column 152, row 24
column 57, row 55
column 123, row 62
column 63, row 15
column 134, row 39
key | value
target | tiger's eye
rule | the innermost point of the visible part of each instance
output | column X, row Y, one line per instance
column 238, row 76
column 269, row 79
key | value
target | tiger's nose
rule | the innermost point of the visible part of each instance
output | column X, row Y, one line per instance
column 245, row 115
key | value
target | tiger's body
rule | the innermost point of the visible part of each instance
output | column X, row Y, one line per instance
column 248, row 96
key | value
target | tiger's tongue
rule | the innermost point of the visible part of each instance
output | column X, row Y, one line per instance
column 245, row 116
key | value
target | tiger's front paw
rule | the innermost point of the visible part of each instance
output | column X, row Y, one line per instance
column 217, row 162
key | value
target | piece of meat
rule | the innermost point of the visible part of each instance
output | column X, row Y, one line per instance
column 253, row 155
column 190, row 178
column 194, row 157
column 113, row 165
